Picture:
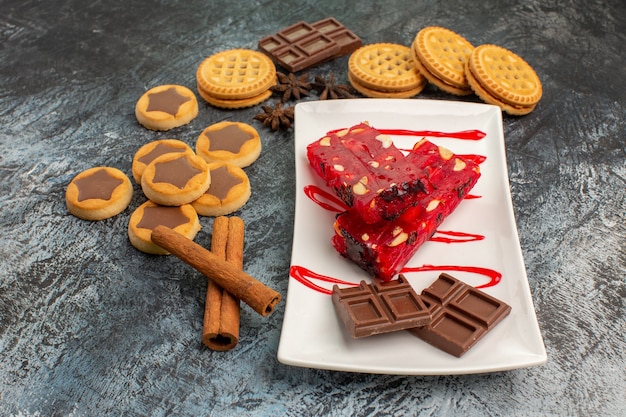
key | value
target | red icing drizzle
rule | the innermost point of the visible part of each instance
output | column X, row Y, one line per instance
column 494, row 276
column 455, row 237
column 316, row 194
column 464, row 134
column 305, row 276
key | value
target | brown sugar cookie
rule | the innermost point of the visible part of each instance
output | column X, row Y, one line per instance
column 233, row 142
column 152, row 150
column 499, row 76
column 229, row 191
column 236, row 78
column 166, row 106
column 384, row 70
column 440, row 55
column 174, row 179
column 149, row 215
column 98, row 193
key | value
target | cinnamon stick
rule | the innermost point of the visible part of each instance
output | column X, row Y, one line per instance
column 257, row 295
column 222, row 311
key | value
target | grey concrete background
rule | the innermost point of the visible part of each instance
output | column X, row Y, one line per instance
column 90, row 326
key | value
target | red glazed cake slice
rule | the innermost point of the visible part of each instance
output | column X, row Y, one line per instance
column 368, row 172
column 385, row 247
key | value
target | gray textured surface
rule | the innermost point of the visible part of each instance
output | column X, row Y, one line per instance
column 90, row 326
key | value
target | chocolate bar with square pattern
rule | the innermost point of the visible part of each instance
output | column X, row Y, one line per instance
column 379, row 307
column 461, row 315
column 303, row 45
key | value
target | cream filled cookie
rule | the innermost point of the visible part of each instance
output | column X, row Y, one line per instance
column 98, row 193
column 233, row 142
column 229, row 191
column 166, row 106
column 150, row 151
column 174, row 179
column 149, row 215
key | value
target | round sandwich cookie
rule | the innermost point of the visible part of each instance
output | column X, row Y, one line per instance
column 229, row 191
column 174, row 179
column 440, row 55
column 233, row 142
column 149, row 215
column 166, row 106
column 384, row 70
column 236, row 78
column 241, row 103
column 98, row 193
column 152, row 150
column 500, row 77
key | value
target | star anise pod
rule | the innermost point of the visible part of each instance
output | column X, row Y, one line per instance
column 276, row 117
column 291, row 86
column 327, row 89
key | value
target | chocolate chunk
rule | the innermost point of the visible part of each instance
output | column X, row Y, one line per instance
column 379, row 307
column 160, row 149
column 162, row 216
column 304, row 45
column 99, row 185
column 167, row 101
column 231, row 138
column 461, row 315
column 222, row 182
column 177, row 172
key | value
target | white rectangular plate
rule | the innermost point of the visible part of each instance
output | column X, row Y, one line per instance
column 313, row 336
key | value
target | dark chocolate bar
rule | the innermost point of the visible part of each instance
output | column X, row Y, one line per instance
column 380, row 307
column 304, row 45
column 461, row 315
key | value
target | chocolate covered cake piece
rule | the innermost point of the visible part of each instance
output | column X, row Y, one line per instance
column 368, row 172
column 383, row 248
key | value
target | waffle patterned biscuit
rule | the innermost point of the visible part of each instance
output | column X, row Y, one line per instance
column 166, row 106
column 241, row 103
column 499, row 76
column 368, row 92
column 236, row 74
column 384, row 68
column 440, row 55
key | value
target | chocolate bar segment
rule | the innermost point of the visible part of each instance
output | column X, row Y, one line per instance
column 461, row 315
column 377, row 308
column 304, row 45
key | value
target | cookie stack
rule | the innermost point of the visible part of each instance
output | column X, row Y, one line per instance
column 236, row 78
column 495, row 74
column 500, row 77
column 384, row 70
